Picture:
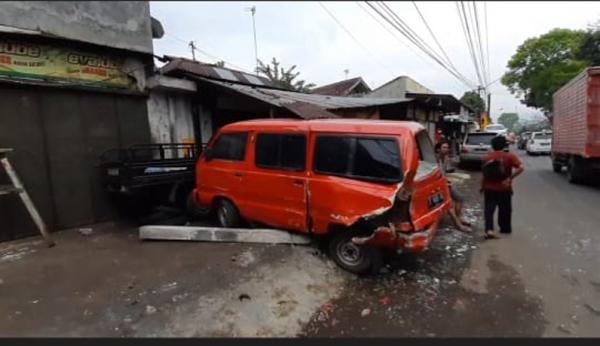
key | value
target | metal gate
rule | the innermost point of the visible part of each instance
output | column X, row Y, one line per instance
column 57, row 136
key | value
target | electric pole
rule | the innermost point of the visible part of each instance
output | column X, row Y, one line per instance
column 193, row 47
column 253, row 11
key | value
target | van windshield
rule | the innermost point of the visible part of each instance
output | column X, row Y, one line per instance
column 362, row 158
column 542, row 136
column 480, row 138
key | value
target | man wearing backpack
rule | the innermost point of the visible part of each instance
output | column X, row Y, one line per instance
column 496, row 186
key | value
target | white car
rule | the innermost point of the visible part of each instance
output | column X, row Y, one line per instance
column 497, row 129
column 539, row 143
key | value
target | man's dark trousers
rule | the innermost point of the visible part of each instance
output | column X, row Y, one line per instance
column 502, row 200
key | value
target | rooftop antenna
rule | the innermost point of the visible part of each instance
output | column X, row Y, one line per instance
column 193, row 47
column 253, row 11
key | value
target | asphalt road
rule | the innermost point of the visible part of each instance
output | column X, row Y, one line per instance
column 542, row 280
column 555, row 247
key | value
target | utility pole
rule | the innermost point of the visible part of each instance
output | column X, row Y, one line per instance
column 253, row 11
column 193, row 47
column 346, row 73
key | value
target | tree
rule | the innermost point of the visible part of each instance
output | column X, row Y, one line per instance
column 590, row 49
column 509, row 120
column 543, row 64
column 283, row 78
column 473, row 101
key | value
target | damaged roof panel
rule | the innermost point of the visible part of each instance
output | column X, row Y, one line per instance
column 282, row 98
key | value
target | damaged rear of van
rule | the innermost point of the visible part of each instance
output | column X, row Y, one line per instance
column 367, row 186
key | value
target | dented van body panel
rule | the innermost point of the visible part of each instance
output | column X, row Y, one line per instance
column 393, row 214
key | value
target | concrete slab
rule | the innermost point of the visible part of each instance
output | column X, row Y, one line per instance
column 224, row 235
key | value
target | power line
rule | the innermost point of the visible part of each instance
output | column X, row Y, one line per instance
column 434, row 37
column 487, row 40
column 466, row 31
column 478, row 31
column 195, row 48
column 354, row 38
column 393, row 34
column 421, row 43
column 397, row 24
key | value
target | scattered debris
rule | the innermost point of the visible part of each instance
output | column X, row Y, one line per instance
column 365, row 312
column 243, row 296
column 85, row 231
column 134, row 302
column 127, row 320
column 563, row 329
column 150, row 309
column 168, row 287
column 592, row 309
column 384, row 301
column 35, row 301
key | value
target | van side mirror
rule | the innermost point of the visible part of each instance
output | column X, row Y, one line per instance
column 208, row 154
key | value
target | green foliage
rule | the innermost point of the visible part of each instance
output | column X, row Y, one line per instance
column 474, row 101
column 591, row 48
column 283, row 78
column 509, row 120
column 543, row 64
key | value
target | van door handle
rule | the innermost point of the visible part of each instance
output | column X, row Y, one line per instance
column 237, row 174
column 298, row 182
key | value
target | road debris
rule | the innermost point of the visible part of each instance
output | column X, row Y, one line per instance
column 563, row 329
column 150, row 310
column 85, row 231
column 365, row 312
column 243, row 296
column 592, row 309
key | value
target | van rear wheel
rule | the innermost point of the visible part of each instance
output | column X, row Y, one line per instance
column 227, row 214
column 358, row 259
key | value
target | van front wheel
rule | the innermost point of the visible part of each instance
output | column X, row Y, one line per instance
column 227, row 214
column 354, row 258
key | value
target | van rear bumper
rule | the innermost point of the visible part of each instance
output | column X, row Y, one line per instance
column 402, row 242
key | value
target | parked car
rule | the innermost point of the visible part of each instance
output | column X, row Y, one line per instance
column 522, row 143
column 497, row 129
column 475, row 146
column 575, row 130
column 367, row 186
column 539, row 143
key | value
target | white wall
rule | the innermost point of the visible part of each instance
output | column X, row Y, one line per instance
column 170, row 117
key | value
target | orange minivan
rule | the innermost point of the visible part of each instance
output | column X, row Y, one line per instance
column 367, row 185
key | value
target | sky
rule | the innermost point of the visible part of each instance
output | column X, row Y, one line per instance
column 305, row 35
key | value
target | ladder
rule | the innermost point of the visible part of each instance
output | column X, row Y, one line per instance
column 18, row 188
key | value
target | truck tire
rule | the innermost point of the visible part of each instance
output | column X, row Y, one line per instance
column 227, row 214
column 354, row 258
column 575, row 170
column 556, row 167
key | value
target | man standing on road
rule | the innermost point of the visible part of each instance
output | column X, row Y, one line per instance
column 496, row 186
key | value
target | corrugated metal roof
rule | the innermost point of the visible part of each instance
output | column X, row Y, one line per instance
column 282, row 98
column 182, row 65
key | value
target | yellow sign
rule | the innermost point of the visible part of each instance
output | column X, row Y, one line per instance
column 31, row 60
column 484, row 120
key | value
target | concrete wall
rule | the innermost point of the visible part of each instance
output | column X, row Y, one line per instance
column 125, row 25
column 170, row 117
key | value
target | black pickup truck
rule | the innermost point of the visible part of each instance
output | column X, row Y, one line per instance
column 168, row 167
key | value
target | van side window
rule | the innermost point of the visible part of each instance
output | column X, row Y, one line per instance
column 427, row 158
column 281, row 151
column 230, row 146
column 363, row 158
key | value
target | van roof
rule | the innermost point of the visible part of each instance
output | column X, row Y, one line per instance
column 393, row 127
